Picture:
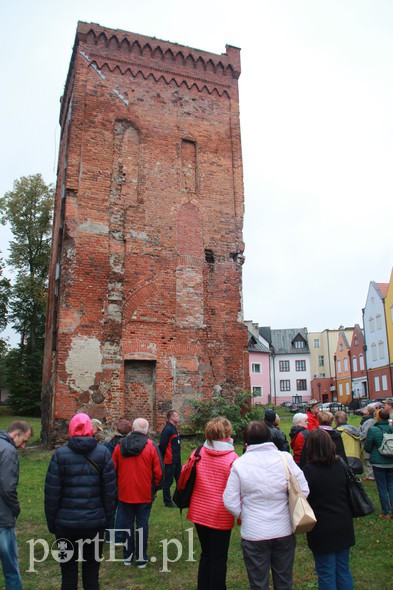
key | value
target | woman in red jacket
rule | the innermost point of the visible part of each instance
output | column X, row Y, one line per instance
column 207, row 511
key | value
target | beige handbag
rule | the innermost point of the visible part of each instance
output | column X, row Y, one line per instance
column 302, row 515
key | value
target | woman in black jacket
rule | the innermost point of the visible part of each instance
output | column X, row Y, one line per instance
column 333, row 535
column 80, row 490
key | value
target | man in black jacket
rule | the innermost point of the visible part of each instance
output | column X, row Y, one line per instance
column 278, row 437
column 17, row 436
column 170, row 451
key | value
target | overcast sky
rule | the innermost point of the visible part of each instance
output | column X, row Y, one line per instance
column 316, row 104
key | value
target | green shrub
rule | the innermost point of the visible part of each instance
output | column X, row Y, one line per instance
column 237, row 408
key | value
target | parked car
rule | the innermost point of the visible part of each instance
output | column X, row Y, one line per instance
column 333, row 407
column 298, row 407
column 286, row 404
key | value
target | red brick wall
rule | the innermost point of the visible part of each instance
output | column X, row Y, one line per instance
column 147, row 234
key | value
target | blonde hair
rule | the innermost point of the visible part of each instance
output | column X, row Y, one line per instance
column 218, row 429
column 325, row 418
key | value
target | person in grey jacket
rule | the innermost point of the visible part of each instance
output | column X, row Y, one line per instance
column 17, row 436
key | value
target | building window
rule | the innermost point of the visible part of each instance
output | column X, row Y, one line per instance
column 376, row 383
column 256, row 367
column 373, row 351
column 321, row 360
column 300, row 365
column 378, row 321
column 316, row 340
column 301, row 384
column 355, row 363
column 356, row 341
column 256, row 391
column 341, row 347
column 346, row 388
column 284, row 366
column 285, row 385
column 298, row 344
column 361, row 362
column 381, row 350
column 340, row 389
column 338, row 366
column 345, row 364
column 384, row 383
column 371, row 324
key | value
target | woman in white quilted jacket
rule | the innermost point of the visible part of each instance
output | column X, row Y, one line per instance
column 257, row 492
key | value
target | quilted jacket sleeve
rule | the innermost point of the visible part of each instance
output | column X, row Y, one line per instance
column 52, row 492
column 109, row 491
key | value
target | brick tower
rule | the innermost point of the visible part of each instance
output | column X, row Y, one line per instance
column 145, row 295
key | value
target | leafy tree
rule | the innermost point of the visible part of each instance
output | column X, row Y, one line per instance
column 5, row 289
column 28, row 210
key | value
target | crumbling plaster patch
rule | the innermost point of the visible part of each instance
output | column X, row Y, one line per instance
column 83, row 362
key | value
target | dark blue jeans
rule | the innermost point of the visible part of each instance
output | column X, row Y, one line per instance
column 9, row 558
column 384, row 479
column 333, row 570
column 171, row 472
column 135, row 516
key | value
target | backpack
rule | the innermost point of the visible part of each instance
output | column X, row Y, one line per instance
column 186, row 481
column 386, row 448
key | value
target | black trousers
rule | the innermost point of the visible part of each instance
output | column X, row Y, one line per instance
column 172, row 472
column 277, row 554
column 212, row 570
column 90, row 563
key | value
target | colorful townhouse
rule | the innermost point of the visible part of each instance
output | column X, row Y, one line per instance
column 376, row 337
column 290, row 364
column 259, row 360
column 343, row 370
column 389, row 324
column 358, row 364
column 322, row 346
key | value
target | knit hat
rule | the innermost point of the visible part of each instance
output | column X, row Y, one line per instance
column 80, row 425
column 270, row 416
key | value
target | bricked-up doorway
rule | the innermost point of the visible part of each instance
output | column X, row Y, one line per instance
column 140, row 390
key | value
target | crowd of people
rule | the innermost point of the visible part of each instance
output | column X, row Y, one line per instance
column 101, row 487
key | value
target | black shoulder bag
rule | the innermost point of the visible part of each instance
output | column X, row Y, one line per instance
column 360, row 503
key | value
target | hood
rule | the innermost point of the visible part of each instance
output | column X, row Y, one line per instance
column 295, row 430
column 221, row 446
column 80, row 425
column 5, row 436
column 133, row 444
column 350, row 429
column 82, row 444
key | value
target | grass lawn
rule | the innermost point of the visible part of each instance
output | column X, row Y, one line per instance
column 371, row 558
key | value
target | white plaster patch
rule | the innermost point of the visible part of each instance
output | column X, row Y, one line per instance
column 93, row 228
column 83, row 362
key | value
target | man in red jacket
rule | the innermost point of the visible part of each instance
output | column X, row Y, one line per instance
column 139, row 467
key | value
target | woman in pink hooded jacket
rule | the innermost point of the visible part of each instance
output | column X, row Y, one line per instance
column 207, row 511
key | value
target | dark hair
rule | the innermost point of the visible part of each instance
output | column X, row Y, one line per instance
column 170, row 414
column 320, row 447
column 123, row 426
column 20, row 426
column 256, row 433
column 383, row 414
